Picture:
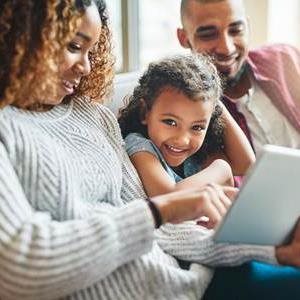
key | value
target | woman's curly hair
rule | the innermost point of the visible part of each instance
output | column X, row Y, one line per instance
column 195, row 76
column 32, row 36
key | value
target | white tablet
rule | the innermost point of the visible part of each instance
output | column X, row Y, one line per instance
column 268, row 204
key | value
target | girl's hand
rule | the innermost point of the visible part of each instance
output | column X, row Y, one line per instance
column 211, row 201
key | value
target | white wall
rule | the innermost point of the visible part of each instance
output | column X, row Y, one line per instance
column 257, row 11
column 274, row 21
column 284, row 21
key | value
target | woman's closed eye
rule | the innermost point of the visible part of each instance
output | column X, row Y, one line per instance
column 169, row 122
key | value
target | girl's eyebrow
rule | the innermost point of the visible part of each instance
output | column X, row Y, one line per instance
column 84, row 36
column 177, row 117
column 171, row 115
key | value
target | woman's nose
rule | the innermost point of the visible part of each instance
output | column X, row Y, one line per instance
column 83, row 67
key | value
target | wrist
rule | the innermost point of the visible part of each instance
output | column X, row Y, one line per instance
column 156, row 213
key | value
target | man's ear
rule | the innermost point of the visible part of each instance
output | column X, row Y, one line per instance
column 182, row 38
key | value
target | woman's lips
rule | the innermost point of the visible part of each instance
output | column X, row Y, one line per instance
column 70, row 86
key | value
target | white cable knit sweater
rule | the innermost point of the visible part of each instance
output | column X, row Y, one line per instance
column 73, row 224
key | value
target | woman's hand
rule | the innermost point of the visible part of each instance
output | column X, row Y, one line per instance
column 290, row 254
column 211, row 201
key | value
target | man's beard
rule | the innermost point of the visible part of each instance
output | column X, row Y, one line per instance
column 232, row 82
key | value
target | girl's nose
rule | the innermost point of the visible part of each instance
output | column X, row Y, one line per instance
column 182, row 139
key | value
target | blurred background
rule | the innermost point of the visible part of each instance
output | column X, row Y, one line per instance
column 145, row 30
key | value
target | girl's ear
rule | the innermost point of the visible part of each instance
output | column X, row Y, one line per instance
column 143, row 112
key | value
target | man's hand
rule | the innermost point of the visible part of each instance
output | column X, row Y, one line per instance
column 290, row 254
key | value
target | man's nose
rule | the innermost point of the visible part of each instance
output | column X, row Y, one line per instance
column 225, row 45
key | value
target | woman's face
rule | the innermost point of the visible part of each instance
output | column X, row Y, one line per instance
column 75, row 61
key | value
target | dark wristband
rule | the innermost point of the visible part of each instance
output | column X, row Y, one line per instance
column 155, row 212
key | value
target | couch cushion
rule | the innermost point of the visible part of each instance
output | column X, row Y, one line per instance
column 123, row 86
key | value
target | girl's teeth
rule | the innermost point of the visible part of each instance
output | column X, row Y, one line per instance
column 175, row 149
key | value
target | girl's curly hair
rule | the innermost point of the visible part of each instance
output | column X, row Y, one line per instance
column 195, row 76
column 32, row 36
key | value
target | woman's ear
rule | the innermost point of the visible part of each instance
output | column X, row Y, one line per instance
column 143, row 112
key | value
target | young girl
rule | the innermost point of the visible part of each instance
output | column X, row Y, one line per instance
column 174, row 124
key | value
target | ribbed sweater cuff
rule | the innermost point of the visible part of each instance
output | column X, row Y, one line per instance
column 136, row 228
column 270, row 256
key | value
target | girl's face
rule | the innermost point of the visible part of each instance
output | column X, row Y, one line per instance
column 75, row 61
column 177, row 125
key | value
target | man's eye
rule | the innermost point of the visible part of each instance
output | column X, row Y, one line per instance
column 207, row 35
column 73, row 47
column 169, row 122
column 237, row 31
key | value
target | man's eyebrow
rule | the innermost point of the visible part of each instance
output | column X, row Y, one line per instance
column 201, row 29
column 205, row 28
column 84, row 36
column 237, row 23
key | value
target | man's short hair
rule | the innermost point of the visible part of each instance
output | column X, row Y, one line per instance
column 184, row 4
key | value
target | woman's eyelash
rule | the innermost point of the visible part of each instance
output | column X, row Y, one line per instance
column 73, row 47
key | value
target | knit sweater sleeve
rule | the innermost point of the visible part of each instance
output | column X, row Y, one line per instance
column 44, row 259
column 194, row 243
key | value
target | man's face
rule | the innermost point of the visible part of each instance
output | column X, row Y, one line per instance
column 219, row 29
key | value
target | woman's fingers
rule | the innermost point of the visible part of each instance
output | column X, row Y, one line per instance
column 216, row 195
column 219, row 202
column 211, row 201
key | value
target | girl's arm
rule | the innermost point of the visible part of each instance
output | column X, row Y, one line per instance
column 237, row 149
column 157, row 181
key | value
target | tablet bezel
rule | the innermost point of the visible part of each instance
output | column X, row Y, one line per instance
column 260, row 215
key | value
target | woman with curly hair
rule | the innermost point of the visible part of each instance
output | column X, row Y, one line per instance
column 173, row 124
column 73, row 220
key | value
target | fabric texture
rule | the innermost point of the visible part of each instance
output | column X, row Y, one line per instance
column 73, row 220
column 255, row 280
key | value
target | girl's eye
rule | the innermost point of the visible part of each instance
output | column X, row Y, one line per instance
column 169, row 122
column 198, row 128
column 73, row 47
